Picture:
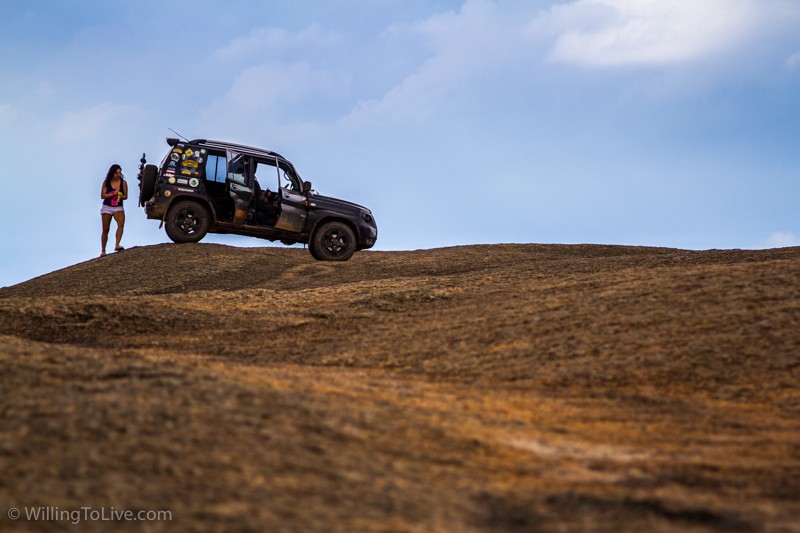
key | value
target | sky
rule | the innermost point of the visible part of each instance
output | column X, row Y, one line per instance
column 634, row 122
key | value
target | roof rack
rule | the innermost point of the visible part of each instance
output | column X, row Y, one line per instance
column 226, row 144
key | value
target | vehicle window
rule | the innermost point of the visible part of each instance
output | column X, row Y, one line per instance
column 215, row 168
column 236, row 170
column 265, row 172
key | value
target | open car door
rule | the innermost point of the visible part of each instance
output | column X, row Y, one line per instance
column 293, row 211
column 293, row 202
column 239, row 185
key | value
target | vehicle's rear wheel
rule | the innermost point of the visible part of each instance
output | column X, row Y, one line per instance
column 333, row 241
column 148, row 184
column 187, row 221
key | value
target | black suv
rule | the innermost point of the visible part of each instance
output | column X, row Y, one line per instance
column 207, row 186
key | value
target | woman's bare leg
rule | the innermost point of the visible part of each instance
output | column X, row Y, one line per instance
column 104, row 235
column 119, row 217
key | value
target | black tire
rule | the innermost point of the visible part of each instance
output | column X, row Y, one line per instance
column 312, row 252
column 333, row 241
column 147, row 187
column 187, row 221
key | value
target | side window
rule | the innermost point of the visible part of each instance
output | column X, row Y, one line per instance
column 215, row 168
column 265, row 173
column 236, row 170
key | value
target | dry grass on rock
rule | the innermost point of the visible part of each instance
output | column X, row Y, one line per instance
column 478, row 388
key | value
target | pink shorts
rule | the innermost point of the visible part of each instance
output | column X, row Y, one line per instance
column 110, row 210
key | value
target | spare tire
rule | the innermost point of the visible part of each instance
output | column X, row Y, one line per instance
column 147, row 187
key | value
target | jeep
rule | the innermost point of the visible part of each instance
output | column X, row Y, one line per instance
column 205, row 186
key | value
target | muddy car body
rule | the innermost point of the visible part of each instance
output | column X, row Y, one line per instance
column 204, row 186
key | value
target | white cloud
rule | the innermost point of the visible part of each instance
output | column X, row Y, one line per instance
column 605, row 33
column 782, row 239
column 793, row 61
column 104, row 119
column 484, row 40
column 479, row 40
column 262, row 40
column 264, row 87
column 488, row 39
column 271, row 94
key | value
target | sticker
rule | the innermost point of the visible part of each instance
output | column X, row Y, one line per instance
column 194, row 182
column 203, row 151
column 171, row 164
column 190, row 163
column 174, row 157
column 177, row 151
column 184, row 190
column 171, row 180
column 183, row 182
column 186, row 172
column 167, row 193
column 189, row 152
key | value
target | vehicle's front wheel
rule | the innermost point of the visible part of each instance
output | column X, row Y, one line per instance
column 333, row 241
column 187, row 221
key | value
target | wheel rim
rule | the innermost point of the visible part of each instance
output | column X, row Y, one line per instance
column 335, row 242
column 188, row 221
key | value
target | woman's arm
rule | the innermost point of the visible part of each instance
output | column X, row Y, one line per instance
column 103, row 193
column 124, row 190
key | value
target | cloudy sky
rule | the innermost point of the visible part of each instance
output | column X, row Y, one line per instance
column 644, row 122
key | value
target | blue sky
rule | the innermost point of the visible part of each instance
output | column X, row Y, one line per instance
column 643, row 122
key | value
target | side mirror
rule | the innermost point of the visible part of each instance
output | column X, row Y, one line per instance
column 306, row 186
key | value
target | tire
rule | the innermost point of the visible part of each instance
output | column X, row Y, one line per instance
column 147, row 187
column 187, row 221
column 313, row 252
column 333, row 241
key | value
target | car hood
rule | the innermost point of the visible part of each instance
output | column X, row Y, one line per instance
column 323, row 201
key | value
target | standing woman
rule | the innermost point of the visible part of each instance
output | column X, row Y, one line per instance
column 113, row 192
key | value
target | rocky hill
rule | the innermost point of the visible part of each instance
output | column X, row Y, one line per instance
column 475, row 388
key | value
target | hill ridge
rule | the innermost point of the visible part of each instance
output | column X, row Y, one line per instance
column 185, row 267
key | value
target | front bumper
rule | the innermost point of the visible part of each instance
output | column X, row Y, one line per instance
column 368, row 234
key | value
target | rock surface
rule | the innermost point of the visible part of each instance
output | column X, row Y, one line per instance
column 475, row 388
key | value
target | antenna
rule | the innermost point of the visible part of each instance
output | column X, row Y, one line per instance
column 178, row 134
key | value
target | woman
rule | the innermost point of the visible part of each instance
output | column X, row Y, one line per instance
column 113, row 192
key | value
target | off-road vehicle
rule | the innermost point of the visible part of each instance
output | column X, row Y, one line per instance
column 207, row 186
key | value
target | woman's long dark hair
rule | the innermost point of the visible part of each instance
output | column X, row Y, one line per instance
column 111, row 171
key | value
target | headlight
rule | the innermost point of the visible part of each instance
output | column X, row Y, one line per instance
column 367, row 216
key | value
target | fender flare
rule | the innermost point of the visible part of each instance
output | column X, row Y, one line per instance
column 332, row 218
